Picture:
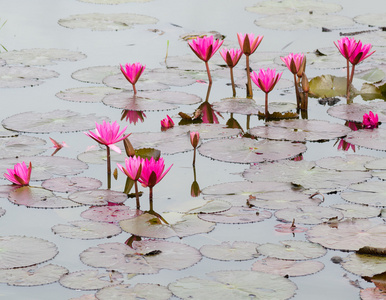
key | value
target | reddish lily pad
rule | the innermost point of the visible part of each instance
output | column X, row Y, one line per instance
column 23, row 251
column 349, row 235
column 21, row 145
column 369, row 193
column 308, row 214
column 364, row 264
column 90, row 280
column 249, row 151
column 287, row 267
column 110, row 214
column 18, row 77
column 98, row 197
column 93, row 94
column 372, row 294
column 354, row 112
column 145, row 257
column 32, row 276
column 86, row 230
column 237, row 215
column 231, row 251
column 70, row 185
column 145, row 291
column 53, row 121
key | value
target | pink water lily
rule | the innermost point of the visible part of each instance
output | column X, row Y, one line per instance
column 360, row 53
column 346, row 46
column 152, row 172
column 231, row 57
column 370, row 120
column 20, row 174
column 108, row 134
column 293, row 61
column 167, row 123
column 132, row 72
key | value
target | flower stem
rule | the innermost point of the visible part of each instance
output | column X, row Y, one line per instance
column 266, row 106
column 151, row 198
column 348, row 80
column 135, row 90
column 298, row 101
column 233, row 83
column 137, row 194
column 208, row 71
column 194, row 157
column 352, row 73
column 108, row 168
column 249, row 83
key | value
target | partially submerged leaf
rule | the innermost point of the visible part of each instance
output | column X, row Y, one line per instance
column 18, row 77
column 364, row 264
column 21, row 145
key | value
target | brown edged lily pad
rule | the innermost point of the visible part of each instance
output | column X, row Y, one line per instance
column 70, row 185
column 86, row 230
column 364, row 264
column 110, row 214
column 18, row 77
column 228, row 251
column 308, row 214
column 90, row 280
column 368, row 193
column 98, row 197
column 145, row 291
column 237, row 215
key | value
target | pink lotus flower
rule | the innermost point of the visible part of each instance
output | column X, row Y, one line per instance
column 248, row 43
column 133, row 167
column 132, row 72
column 194, row 138
column 370, row 120
column 205, row 47
column 20, row 174
column 293, row 62
column 167, row 123
column 231, row 56
column 152, row 172
column 108, row 134
column 360, row 53
column 346, row 46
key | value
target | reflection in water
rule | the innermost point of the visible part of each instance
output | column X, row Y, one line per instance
column 133, row 116
column 195, row 188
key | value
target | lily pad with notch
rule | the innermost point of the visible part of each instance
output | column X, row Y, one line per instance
column 100, row 156
column 368, row 138
column 351, row 162
column 364, row 264
column 308, row 214
column 354, row 112
column 367, row 193
column 118, row 81
column 21, row 145
column 95, row 74
column 357, row 211
column 94, row 94
column 244, row 106
column 206, row 131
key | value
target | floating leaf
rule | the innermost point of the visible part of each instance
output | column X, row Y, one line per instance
column 242, row 106
column 86, row 230
column 180, row 225
column 110, row 214
column 287, row 267
column 352, row 162
column 249, row 151
column 23, row 251
column 97, row 21
column 145, row 291
column 300, row 130
column 70, row 185
column 100, row 156
column 93, row 94
column 368, row 138
column 21, row 145
column 289, row 228
column 357, row 211
column 355, row 111
column 364, row 264
column 53, row 121
column 293, row 250
column 39, row 198
column 17, row 77
column 206, row 131
column 372, row 294
column 237, row 215
column 32, row 276
column 275, row 200
column 119, row 81
column 40, row 57
column 191, row 63
column 349, row 235
column 234, row 285
column 173, row 77
column 369, row 193
column 202, row 206
column 328, row 86
column 308, row 214
column 98, row 197
column 376, row 19
column 146, row 256
column 231, row 251
column 90, row 280
column 95, row 74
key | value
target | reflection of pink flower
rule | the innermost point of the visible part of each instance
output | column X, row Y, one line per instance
column 266, row 79
column 132, row 72
column 293, row 62
column 231, row 56
column 108, row 134
column 133, row 166
column 248, row 43
column 194, row 138
column 167, row 123
column 352, row 125
column 133, row 116
column 20, row 174
column 346, row 46
column 205, row 47
column 208, row 114
column 343, row 145
column 152, row 172
column 370, row 120
column 360, row 53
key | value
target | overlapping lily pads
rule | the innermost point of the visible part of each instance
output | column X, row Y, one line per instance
column 227, row 251
column 95, row 74
column 53, row 121
column 145, row 291
column 368, row 193
column 145, row 257
column 308, row 214
column 86, row 230
column 21, row 145
column 354, row 112
column 103, row 22
column 110, row 214
column 70, row 185
column 357, row 211
column 18, row 77
column 100, row 156
column 86, row 94
column 98, row 197
column 119, row 81
column 90, row 280
column 368, row 138
column 250, row 151
column 364, row 264
column 237, row 215
column 243, row 106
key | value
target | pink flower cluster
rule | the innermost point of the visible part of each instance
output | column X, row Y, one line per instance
column 370, row 120
column 352, row 50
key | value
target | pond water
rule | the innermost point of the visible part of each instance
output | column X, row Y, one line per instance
column 34, row 24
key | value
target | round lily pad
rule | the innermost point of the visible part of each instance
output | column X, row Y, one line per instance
column 357, row 211
column 170, row 76
column 53, row 121
column 364, row 264
column 180, row 225
column 352, row 162
column 93, row 94
column 375, row 19
column 275, row 200
column 349, row 235
column 18, row 77
column 206, row 131
column 102, row 22
column 242, row 106
column 293, row 250
column 21, row 145
column 228, row 251
column 90, row 280
column 368, row 193
column 145, row 291
column 287, row 267
column 23, row 251
column 98, row 197
column 95, row 74
column 237, row 215
column 249, row 151
column 202, row 206
column 300, row 130
column 86, row 230
column 146, row 256
column 308, row 214
column 354, row 112
column 235, row 285
column 328, row 86
column 368, row 138
column 119, row 81
column 70, row 185
column 100, row 156
column 40, row 57
column 110, row 214
column 39, row 198
column 32, row 276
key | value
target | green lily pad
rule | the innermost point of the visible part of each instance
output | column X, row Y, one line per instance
column 53, row 121
column 40, row 57
column 293, row 250
column 234, row 285
column 237, row 215
column 106, row 22
column 349, row 235
column 372, row 75
column 308, row 214
column 145, row 291
column 355, row 111
column 368, row 138
column 93, row 94
column 287, row 267
column 18, row 77
column 110, row 214
column 21, row 145
column 249, row 151
column 364, row 264
column 70, row 185
column 86, row 230
column 352, row 162
column 145, row 257
column 328, row 86
column 228, row 251
column 357, row 211
column 98, row 197
column 23, row 251
column 87, row 280
column 95, row 74
column 371, row 193
column 180, row 225
column 32, row 276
